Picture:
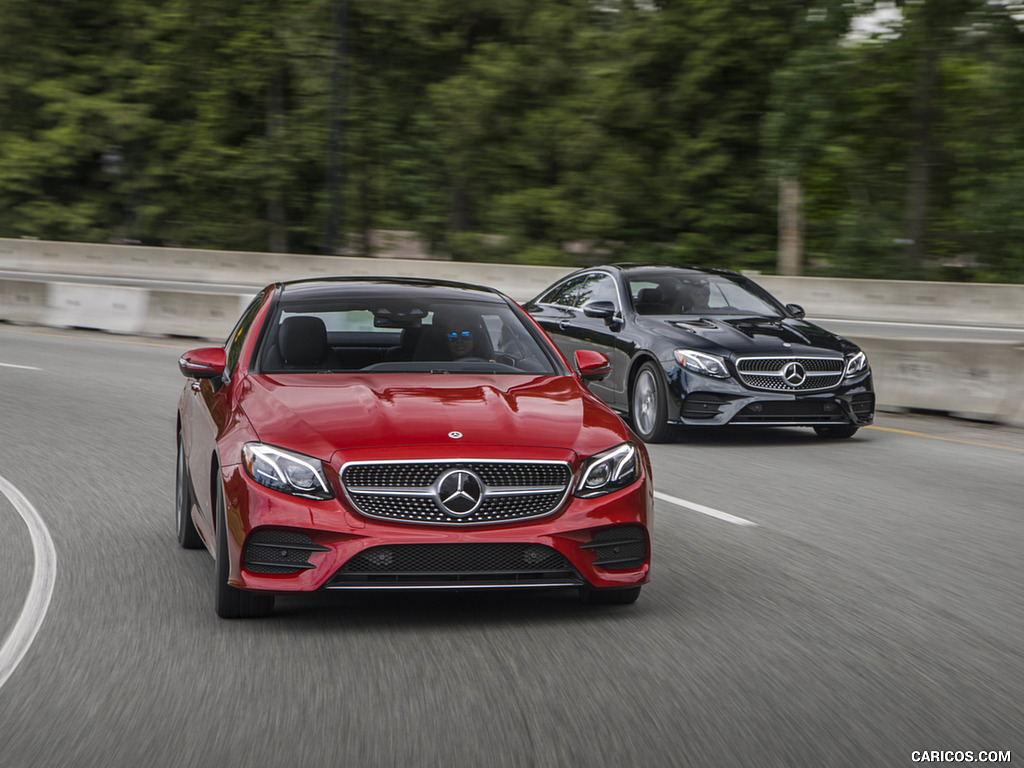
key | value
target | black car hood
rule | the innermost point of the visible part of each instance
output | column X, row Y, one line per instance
column 736, row 335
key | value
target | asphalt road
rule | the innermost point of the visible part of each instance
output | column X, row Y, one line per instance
column 872, row 610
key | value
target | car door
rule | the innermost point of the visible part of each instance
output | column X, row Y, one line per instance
column 208, row 409
column 603, row 334
column 554, row 310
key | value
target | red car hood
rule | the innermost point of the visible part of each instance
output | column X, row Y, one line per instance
column 318, row 414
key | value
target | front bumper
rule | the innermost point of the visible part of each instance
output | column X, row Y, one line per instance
column 704, row 401
column 602, row 542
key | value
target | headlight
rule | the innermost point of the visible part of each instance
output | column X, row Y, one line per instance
column 702, row 362
column 285, row 471
column 609, row 471
column 856, row 364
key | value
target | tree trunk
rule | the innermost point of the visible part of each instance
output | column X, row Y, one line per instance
column 791, row 226
column 277, row 213
column 920, row 171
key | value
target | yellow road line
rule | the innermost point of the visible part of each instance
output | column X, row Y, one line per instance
column 948, row 439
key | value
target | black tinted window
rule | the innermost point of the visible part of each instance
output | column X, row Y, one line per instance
column 237, row 337
column 348, row 335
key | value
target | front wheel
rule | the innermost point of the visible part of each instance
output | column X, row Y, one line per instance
column 836, row 432
column 648, row 409
column 231, row 602
column 188, row 536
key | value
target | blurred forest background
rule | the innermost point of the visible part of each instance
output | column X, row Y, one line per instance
column 822, row 137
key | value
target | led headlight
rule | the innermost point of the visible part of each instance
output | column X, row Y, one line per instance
column 702, row 362
column 285, row 471
column 856, row 364
column 609, row 471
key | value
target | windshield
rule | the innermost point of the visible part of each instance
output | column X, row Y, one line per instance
column 343, row 335
column 679, row 292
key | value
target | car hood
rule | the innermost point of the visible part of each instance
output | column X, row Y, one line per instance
column 319, row 414
column 745, row 335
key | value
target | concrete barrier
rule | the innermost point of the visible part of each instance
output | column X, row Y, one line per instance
column 102, row 307
column 256, row 270
column 23, row 301
column 975, row 380
column 201, row 315
column 73, row 285
column 904, row 301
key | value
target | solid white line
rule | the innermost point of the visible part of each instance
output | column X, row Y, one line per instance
column 23, row 367
column 702, row 509
column 44, row 574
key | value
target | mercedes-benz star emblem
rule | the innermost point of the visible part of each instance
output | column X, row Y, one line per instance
column 794, row 374
column 459, row 492
column 454, row 435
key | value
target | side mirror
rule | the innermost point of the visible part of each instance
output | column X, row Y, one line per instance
column 605, row 309
column 593, row 366
column 796, row 310
column 203, row 363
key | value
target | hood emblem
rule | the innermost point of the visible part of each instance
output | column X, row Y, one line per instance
column 459, row 492
column 794, row 374
column 454, row 435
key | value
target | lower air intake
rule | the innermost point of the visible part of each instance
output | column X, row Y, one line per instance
column 455, row 565
column 619, row 548
column 271, row 551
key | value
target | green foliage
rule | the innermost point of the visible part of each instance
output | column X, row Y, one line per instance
column 529, row 131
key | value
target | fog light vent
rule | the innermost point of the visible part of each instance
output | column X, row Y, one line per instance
column 619, row 548
column 273, row 551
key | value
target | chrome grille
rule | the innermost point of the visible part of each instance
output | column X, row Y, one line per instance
column 410, row 491
column 767, row 373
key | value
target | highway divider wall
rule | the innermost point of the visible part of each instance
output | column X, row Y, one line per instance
column 200, row 294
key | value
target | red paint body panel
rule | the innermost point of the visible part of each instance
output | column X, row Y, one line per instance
column 338, row 418
column 318, row 414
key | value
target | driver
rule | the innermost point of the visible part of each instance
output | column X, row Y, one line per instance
column 458, row 337
column 695, row 294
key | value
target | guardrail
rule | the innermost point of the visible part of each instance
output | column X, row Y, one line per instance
column 193, row 293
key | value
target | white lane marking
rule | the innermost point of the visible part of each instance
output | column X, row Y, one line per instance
column 702, row 509
column 23, row 367
column 44, row 574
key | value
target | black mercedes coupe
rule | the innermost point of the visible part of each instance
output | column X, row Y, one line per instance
column 695, row 346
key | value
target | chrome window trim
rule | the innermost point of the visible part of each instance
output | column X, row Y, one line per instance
column 615, row 281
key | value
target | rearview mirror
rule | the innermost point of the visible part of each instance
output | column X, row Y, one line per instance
column 796, row 310
column 203, row 363
column 593, row 366
column 598, row 309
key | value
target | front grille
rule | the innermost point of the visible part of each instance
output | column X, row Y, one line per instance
column 412, row 492
column 792, row 411
column 273, row 551
column 453, row 565
column 619, row 548
column 767, row 373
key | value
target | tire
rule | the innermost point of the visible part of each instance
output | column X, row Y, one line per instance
column 231, row 602
column 592, row 596
column 836, row 432
column 647, row 407
column 188, row 536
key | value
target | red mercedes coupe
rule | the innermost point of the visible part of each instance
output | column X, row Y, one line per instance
column 377, row 433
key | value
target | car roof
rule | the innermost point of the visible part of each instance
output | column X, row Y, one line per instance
column 646, row 266
column 392, row 287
